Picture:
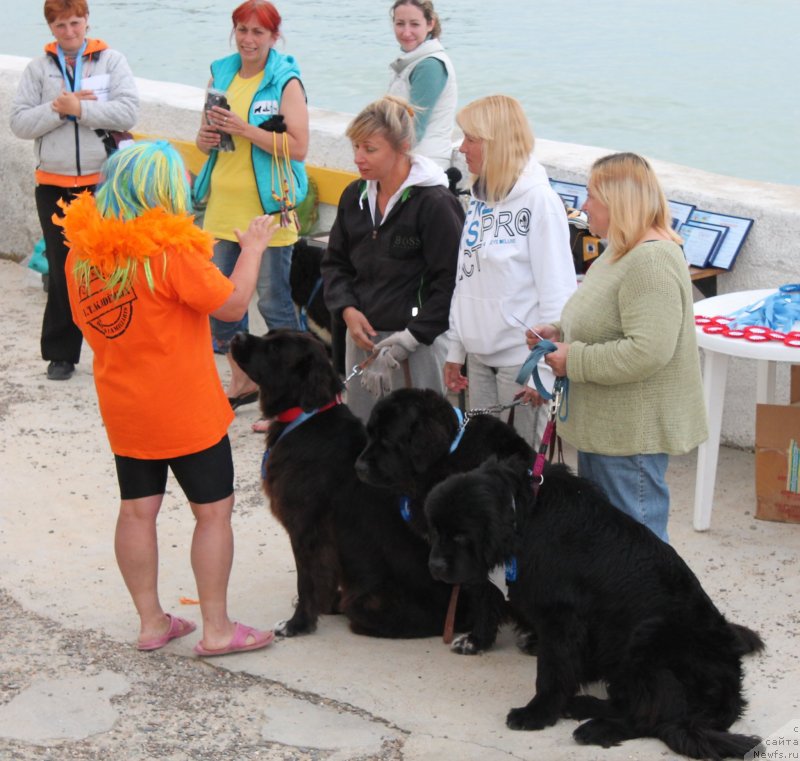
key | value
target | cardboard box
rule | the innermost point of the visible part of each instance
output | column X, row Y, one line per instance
column 778, row 457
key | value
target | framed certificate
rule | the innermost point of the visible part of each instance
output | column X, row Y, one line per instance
column 699, row 243
column 571, row 189
column 680, row 213
column 736, row 231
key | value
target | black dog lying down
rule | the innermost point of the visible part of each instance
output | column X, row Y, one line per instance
column 352, row 549
column 411, row 435
column 610, row 602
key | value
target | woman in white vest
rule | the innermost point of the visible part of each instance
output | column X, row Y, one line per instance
column 424, row 76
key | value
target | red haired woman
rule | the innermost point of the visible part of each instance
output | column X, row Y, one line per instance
column 264, row 174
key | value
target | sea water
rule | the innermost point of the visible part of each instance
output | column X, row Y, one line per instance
column 712, row 84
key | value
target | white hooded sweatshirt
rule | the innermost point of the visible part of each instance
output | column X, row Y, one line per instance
column 514, row 266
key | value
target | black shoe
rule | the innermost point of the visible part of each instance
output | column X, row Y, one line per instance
column 60, row 369
column 238, row 401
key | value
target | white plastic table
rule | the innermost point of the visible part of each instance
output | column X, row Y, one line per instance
column 715, row 370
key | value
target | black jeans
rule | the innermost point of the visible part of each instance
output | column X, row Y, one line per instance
column 61, row 338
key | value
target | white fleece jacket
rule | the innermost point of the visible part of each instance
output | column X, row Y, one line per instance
column 514, row 262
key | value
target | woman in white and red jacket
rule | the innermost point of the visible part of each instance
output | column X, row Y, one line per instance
column 390, row 263
column 67, row 101
column 514, row 262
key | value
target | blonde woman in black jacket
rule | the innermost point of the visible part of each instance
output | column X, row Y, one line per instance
column 389, row 269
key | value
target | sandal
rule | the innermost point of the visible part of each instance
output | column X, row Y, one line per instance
column 239, row 643
column 178, row 627
column 238, row 401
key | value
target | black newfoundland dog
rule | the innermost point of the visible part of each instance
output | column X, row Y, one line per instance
column 610, row 602
column 415, row 439
column 353, row 551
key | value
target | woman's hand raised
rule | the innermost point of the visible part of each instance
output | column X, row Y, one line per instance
column 258, row 233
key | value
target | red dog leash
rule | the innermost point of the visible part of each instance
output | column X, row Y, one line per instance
column 544, row 444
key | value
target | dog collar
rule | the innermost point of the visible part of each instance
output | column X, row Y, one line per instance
column 511, row 569
column 294, row 416
column 405, row 507
column 293, row 413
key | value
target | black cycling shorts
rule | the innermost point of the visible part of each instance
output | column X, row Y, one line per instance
column 205, row 476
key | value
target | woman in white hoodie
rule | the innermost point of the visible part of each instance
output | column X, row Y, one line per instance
column 514, row 264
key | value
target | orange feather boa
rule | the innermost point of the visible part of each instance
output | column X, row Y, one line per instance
column 112, row 248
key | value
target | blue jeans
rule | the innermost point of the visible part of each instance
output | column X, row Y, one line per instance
column 635, row 484
column 274, row 291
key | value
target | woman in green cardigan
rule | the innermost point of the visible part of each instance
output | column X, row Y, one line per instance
column 626, row 341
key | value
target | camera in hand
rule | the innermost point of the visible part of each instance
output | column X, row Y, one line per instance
column 218, row 98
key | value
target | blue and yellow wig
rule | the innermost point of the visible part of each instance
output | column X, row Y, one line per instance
column 146, row 175
column 140, row 214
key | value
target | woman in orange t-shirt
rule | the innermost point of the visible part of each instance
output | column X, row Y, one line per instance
column 141, row 288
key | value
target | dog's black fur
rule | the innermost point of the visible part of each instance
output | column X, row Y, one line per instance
column 610, row 602
column 410, row 433
column 303, row 278
column 352, row 550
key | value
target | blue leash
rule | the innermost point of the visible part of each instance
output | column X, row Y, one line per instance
column 404, row 501
column 461, row 426
column 304, row 309
column 530, row 367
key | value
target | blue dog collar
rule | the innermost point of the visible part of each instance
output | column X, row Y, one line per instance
column 511, row 569
column 405, row 507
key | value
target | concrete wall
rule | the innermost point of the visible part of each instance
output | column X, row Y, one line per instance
column 768, row 259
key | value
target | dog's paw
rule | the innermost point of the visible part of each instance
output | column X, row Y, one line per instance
column 528, row 718
column 290, row 628
column 600, row 732
column 528, row 642
column 281, row 627
column 585, row 707
column 463, row 644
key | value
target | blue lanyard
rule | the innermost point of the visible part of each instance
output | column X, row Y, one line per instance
column 778, row 311
column 76, row 79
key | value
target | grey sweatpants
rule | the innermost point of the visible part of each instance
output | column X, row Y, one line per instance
column 426, row 365
column 497, row 385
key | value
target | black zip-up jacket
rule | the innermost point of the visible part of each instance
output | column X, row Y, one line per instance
column 401, row 273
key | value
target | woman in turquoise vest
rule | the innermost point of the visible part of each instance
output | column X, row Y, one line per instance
column 264, row 173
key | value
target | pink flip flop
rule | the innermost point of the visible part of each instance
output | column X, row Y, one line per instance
column 178, row 627
column 238, row 643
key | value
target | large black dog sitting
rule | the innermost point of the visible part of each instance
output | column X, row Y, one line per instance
column 352, row 549
column 610, row 602
column 415, row 440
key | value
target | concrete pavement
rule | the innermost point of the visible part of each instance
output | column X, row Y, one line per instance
column 73, row 686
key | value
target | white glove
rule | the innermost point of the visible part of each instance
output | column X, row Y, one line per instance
column 377, row 375
column 399, row 346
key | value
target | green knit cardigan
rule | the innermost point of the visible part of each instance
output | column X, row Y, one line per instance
column 633, row 364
